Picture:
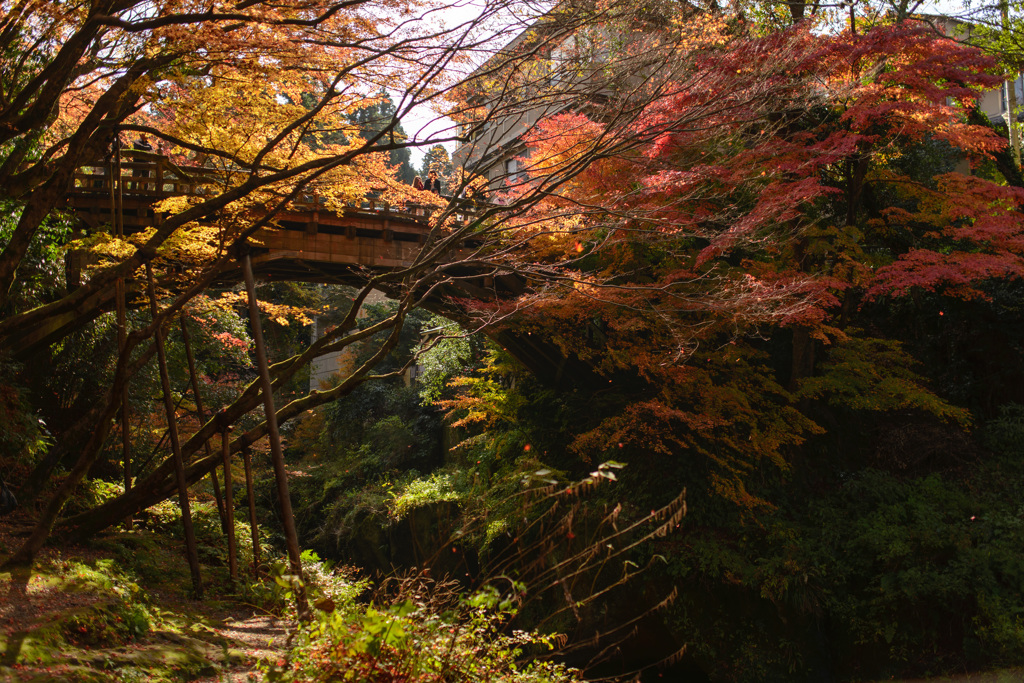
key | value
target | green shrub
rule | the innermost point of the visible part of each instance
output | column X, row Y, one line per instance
column 421, row 632
column 23, row 434
column 436, row 488
column 1005, row 433
column 924, row 571
column 122, row 616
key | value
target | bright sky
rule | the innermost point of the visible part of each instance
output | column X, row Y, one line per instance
column 423, row 123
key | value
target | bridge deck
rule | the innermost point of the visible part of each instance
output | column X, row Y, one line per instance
column 313, row 244
column 309, row 242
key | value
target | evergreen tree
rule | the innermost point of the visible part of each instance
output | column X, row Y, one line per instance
column 325, row 132
column 378, row 116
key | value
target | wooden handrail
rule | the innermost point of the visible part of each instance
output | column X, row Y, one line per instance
column 157, row 176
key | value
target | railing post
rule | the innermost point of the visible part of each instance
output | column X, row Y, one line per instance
column 160, row 176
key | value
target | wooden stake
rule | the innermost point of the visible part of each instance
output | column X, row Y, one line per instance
column 172, row 429
column 276, row 453
column 253, row 525
column 225, row 450
column 126, row 437
column 116, row 190
column 117, row 216
column 202, row 419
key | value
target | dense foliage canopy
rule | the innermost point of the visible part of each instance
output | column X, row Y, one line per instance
column 769, row 255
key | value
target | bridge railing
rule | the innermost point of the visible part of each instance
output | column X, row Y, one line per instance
column 149, row 175
column 465, row 209
column 146, row 174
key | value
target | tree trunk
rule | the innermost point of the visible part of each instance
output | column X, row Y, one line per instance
column 229, row 500
column 71, row 439
column 253, row 524
column 1011, row 121
column 38, row 208
column 159, row 485
column 803, row 356
column 1011, row 93
column 276, row 452
column 194, row 381
column 25, row 555
column 172, row 428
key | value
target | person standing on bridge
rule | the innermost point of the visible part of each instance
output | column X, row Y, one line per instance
column 434, row 183
column 416, row 209
column 114, row 146
column 111, row 158
column 142, row 145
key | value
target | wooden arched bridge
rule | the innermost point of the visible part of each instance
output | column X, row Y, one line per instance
column 311, row 243
column 308, row 243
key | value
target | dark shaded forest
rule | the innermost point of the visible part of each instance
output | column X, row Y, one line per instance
column 704, row 360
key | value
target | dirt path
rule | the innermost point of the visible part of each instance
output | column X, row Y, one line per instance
column 259, row 636
column 189, row 633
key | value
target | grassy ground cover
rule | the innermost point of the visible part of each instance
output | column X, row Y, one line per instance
column 117, row 609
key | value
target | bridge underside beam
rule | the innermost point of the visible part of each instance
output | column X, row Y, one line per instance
column 312, row 244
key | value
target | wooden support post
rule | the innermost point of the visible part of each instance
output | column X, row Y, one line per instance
column 225, row 451
column 276, row 453
column 253, row 525
column 194, row 381
column 126, row 437
column 172, row 429
column 117, row 191
column 117, row 218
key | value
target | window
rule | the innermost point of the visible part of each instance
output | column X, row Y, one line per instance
column 471, row 131
column 512, row 171
column 1018, row 86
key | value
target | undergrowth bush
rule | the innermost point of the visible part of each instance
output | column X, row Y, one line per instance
column 418, row 630
column 925, row 573
column 122, row 617
column 92, row 493
column 883, row 576
column 23, row 434
column 437, row 488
